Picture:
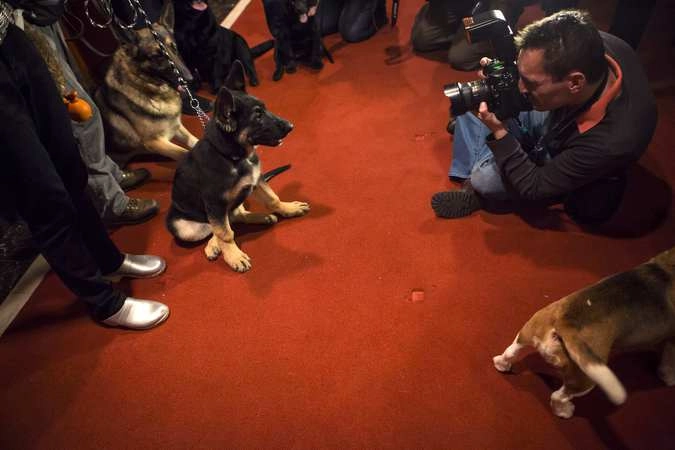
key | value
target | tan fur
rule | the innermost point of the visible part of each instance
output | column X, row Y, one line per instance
column 222, row 241
column 141, row 112
column 633, row 309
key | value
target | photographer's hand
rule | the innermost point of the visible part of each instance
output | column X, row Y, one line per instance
column 491, row 121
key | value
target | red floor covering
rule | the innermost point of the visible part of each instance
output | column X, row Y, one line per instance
column 319, row 345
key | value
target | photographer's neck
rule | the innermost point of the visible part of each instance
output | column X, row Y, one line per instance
column 593, row 92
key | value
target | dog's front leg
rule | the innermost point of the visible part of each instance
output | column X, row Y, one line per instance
column 185, row 137
column 166, row 148
column 503, row 362
column 242, row 215
column 222, row 241
column 264, row 193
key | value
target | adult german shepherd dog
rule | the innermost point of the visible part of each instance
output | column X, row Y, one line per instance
column 139, row 102
column 223, row 169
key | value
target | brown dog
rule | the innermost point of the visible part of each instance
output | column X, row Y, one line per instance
column 632, row 309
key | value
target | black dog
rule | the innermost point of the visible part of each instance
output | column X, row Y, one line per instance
column 223, row 169
column 297, row 36
column 208, row 49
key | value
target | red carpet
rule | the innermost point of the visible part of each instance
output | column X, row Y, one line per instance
column 319, row 346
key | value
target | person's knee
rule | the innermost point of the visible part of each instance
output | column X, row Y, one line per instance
column 462, row 58
column 352, row 34
column 487, row 181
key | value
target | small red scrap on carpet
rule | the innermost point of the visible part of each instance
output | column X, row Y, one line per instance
column 416, row 296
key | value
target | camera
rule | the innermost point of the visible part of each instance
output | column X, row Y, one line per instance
column 500, row 87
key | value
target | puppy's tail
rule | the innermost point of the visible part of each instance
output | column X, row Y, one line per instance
column 262, row 48
column 267, row 176
column 593, row 366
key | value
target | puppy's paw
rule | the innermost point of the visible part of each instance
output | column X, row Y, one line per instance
column 235, row 258
column 292, row 209
column 212, row 250
column 501, row 364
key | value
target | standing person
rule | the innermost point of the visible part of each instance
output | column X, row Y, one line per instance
column 588, row 90
column 45, row 179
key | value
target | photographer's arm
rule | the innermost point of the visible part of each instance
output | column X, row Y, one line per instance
column 584, row 162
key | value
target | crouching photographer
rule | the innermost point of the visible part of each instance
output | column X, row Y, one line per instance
column 593, row 116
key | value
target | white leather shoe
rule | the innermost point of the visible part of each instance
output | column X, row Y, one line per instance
column 137, row 314
column 138, row 266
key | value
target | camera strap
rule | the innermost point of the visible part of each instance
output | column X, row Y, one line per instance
column 540, row 153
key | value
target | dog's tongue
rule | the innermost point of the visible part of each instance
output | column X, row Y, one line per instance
column 303, row 18
column 199, row 5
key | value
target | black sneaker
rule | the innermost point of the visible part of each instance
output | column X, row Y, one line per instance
column 455, row 204
column 131, row 179
column 138, row 210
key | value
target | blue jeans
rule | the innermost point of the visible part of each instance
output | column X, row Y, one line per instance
column 472, row 158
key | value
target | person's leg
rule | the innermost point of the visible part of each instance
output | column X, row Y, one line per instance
column 465, row 56
column 45, row 172
column 468, row 146
column 473, row 159
column 597, row 202
column 104, row 174
column 359, row 19
column 33, row 113
column 328, row 15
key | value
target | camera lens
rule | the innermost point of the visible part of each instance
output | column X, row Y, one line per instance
column 466, row 96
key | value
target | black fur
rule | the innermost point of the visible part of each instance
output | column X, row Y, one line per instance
column 206, row 179
column 209, row 49
column 296, row 41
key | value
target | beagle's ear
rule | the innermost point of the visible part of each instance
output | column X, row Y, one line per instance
column 224, row 109
column 235, row 79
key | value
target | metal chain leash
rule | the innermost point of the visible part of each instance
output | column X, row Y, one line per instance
column 137, row 8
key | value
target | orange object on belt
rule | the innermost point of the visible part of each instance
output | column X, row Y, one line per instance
column 78, row 109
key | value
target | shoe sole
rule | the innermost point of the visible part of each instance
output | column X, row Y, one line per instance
column 454, row 204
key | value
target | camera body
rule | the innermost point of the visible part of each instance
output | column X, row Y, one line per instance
column 499, row 89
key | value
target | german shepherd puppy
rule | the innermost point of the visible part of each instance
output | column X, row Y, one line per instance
column 139, row 102
column 223, row 169
column 209, row 50
column 297, row 36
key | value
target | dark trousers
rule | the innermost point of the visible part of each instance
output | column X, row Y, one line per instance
column 44, row 177
column 356, row 20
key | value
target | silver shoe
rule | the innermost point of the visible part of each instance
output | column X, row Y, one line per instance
column 137, row 314
column 138, row 266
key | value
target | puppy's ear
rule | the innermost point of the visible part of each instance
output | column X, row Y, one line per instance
column 167, row 16
column 223, row 111
column 235, row 79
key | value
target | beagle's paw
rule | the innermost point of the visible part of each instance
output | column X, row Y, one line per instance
column 501, row 364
